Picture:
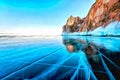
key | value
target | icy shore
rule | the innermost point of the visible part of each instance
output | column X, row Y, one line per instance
column 113, row 29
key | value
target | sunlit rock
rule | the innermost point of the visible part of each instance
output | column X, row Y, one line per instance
column 101, row 14
column 73, row 24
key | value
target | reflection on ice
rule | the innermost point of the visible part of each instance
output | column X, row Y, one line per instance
column 102, row 54
column 66, row 58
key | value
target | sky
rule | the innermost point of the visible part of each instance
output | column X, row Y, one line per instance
column 39, row 16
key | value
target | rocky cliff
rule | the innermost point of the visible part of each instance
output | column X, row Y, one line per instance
column 102, row 13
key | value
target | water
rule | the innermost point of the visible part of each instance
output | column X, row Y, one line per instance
column 59, row 58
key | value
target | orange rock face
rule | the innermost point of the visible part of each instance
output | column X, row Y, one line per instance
column 73, row 21
column 73, row 24
column 101, row 13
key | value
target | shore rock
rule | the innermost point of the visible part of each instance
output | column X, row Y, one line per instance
column 102, row 13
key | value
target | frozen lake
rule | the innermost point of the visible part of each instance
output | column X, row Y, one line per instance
column 59, row 58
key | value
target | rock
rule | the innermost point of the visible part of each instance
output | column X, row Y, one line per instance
column 102, row 13
column 73, row 24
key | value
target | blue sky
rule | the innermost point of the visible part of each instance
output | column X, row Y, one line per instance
column 40, row 13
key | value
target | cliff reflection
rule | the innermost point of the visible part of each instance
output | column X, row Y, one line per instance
column 102, row 54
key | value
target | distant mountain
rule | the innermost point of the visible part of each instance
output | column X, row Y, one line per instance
column 103, row 14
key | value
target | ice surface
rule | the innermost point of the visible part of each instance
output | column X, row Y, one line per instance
column 41, row 58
